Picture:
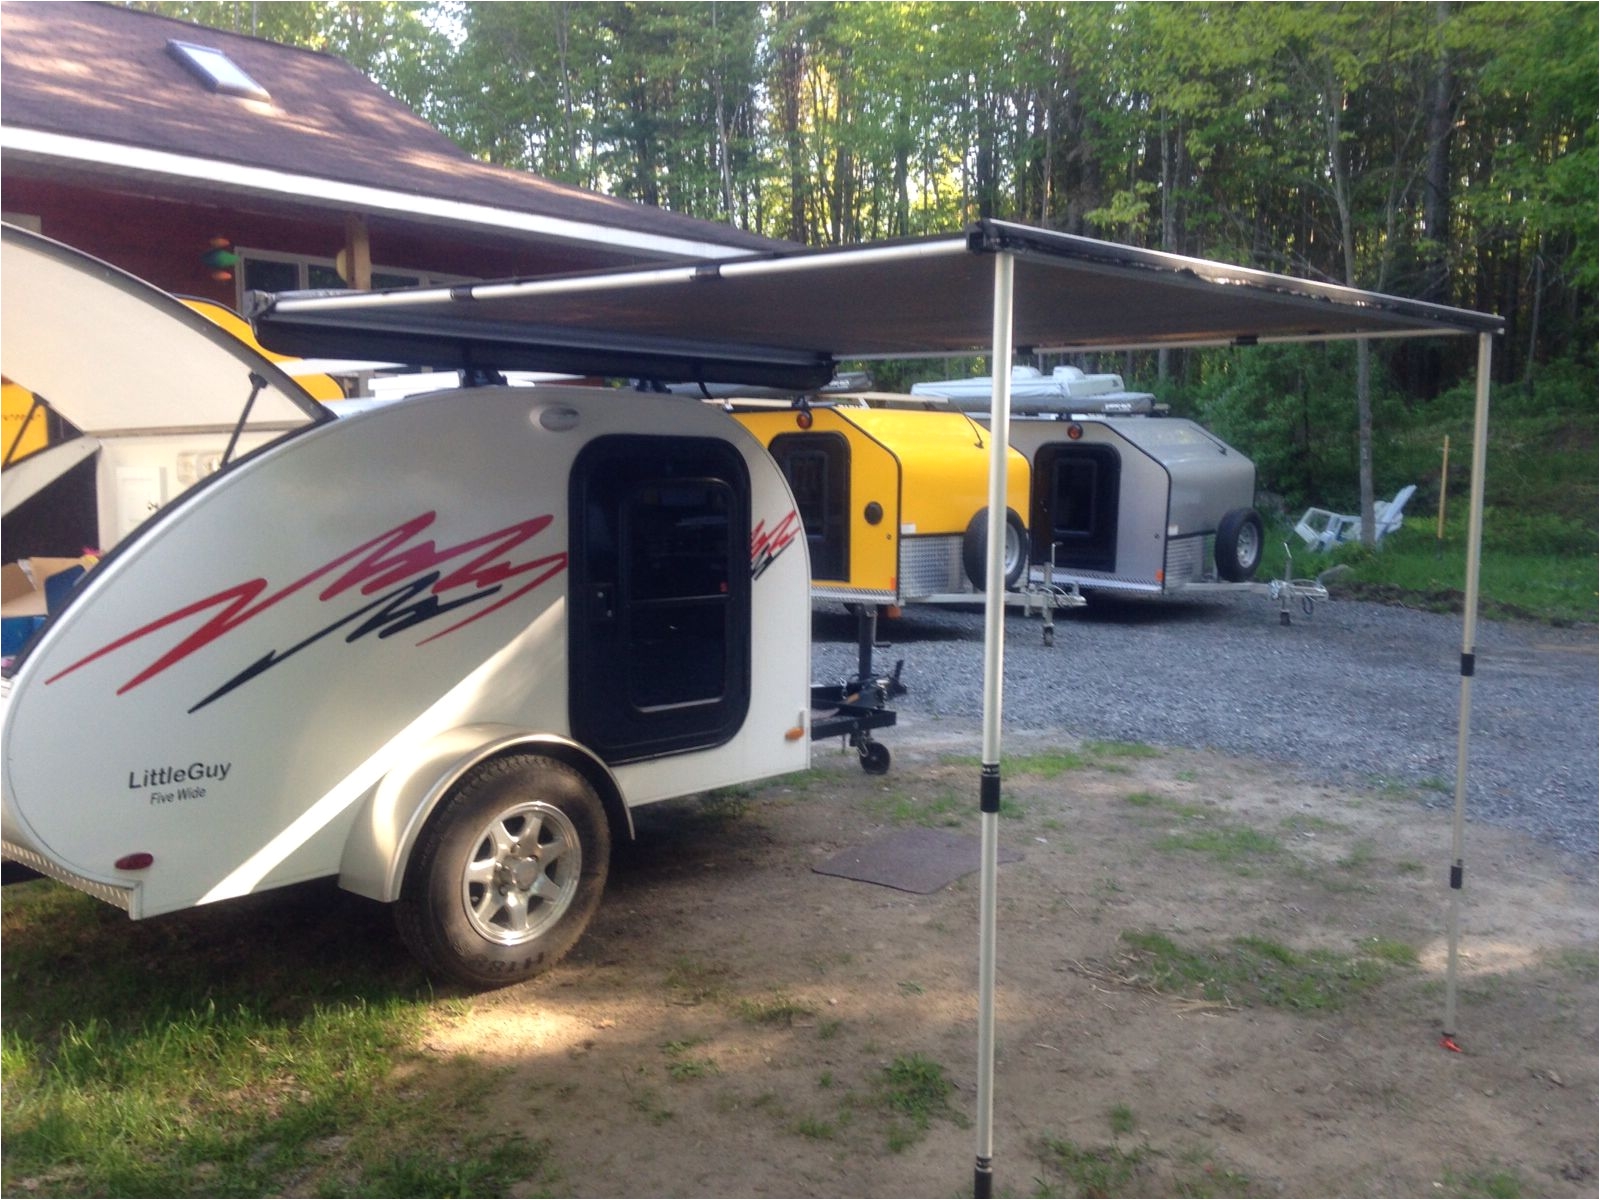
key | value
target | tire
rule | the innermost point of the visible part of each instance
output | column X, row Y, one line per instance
column 975, row 549
column 875, row 758
column 507, row 873
column 1241, row 538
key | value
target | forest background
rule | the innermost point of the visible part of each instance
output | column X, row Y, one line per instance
column 1438, row 150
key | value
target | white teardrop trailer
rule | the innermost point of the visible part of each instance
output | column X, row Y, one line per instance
column 438, row 650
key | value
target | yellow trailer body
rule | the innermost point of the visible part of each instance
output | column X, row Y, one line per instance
column 25, row 423
column 894, row 501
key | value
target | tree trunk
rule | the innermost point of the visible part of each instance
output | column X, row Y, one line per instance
column 791, row 60
column 1333, row 101
column 1436, row 182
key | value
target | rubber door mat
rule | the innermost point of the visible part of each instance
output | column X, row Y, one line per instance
column 912, row 860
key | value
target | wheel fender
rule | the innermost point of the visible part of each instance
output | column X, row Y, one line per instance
column 382, row 838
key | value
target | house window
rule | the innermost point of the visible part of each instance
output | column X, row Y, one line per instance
column 270, row 271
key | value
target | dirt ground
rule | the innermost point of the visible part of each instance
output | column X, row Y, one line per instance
column 736, row 1024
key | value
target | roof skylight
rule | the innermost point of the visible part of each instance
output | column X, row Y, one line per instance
column 217, row 70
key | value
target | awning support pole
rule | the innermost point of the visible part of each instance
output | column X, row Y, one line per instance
column 994, row 612
column 1469, row 642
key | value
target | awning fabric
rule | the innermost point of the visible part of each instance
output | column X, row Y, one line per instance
column 787, row 320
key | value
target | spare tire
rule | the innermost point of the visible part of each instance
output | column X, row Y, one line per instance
column 975, row 549
column 1241, row 538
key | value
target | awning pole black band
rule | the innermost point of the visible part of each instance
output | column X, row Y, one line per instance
column 989, row 788
column 1457, row 873
column 1469, row 664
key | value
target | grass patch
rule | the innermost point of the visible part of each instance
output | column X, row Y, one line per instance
column 1098, row 751
column 1580, row 963
column 1359, row 857
column 901, row 808
column 1091, row 755
column 681, row 1065
column 237, row 1050
column 722, row 806
column 1256, row 971
column 1199, row 1174
column 777, row 1009
column 1309, row 825
column 816, row 1128
column 1120, row 1118
column 915, row 1090
column 1496, row 1183
column 1093, row 1170
column 1228, row 844
column 697, row 982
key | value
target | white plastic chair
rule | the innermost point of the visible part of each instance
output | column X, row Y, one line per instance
column 1323, row 530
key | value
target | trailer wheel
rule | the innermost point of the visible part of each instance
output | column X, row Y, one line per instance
column 874, row 758
column 507, row 873
column 975, row 549
column 1240, row 541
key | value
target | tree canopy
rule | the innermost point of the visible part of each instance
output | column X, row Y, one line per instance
column 1442, row 150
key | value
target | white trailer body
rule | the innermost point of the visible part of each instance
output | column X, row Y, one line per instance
column 1137, row 504
column 328, row 658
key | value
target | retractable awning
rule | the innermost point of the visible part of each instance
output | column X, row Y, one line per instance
column 789, row 320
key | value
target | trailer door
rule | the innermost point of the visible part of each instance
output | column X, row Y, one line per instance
column 660, row 601
column 817, row 466
column 1075, row 496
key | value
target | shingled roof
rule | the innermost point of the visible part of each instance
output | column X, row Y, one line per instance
column 94, row 88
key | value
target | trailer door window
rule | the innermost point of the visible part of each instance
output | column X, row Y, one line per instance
column 817, row 466
column 661, row 596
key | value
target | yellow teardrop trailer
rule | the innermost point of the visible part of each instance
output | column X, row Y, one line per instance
column 894, row 501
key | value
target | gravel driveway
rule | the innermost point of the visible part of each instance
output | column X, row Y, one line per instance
column 1357, row 692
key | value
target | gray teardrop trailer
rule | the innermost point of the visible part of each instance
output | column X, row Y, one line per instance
column 1122, row 497
column 1137, row 504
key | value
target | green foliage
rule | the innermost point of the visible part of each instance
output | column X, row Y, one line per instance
column 1254, row 970
column 1310, row 139
column 180, row 1064
column 915, row 1088
column 777, row 1009
column 1095, row 1170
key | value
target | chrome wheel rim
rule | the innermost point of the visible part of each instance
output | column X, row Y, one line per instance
column 1013, row 555
column 522, row 873
column 1249, row 546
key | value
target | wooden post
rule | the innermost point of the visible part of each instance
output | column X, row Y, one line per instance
column 354, row 262
column 1444, row 488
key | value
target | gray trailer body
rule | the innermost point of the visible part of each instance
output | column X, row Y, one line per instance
column 1129, row 503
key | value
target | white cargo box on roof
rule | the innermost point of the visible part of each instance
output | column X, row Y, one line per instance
column 1065, row 390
